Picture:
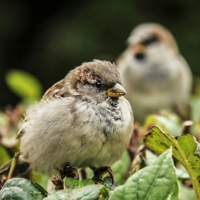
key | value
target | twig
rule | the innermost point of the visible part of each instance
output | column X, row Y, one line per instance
column 13, row 165
column 186, row 127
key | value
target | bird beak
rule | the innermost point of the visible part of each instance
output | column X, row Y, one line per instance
column 139, row 48
column 116, row 91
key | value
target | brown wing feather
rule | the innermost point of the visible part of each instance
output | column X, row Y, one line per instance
column 54, row 91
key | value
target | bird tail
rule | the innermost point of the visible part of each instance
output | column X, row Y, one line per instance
column 21, row 168
column 5, row 168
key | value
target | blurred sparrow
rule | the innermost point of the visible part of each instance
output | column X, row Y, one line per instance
column 154, row 73
column 81, row 121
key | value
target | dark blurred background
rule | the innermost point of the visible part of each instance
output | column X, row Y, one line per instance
column 48, row 38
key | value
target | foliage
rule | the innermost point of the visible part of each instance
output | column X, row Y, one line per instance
column 168, row 122
column 184, row 149
column 24, row 84
column 148, row 182
column 92, row 192
column 19, row 188
column 121, row 168
column 140, row 178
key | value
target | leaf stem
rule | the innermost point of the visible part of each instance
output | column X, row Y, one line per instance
column 13, row 165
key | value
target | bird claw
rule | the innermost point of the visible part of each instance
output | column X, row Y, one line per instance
column 99, row 172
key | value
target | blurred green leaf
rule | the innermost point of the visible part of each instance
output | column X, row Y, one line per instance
column 150, row 181
column 195, row 108
column 24, row 84
column 40, row 178
column 184, row 148
column 3, row 119
column 86, row 182
column 150, row 157
column 19, row 188
column 195, row 115
column 182, row 175
column 56, row 173
column 186, row 193
column 4, row 156
column 121, row 168
column 166, row 124
column 89, row 172
column 59, row 195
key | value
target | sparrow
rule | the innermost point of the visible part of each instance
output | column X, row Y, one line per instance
column 81, row 121
column 153, row 71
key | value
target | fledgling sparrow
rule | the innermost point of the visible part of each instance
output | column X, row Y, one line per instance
column 81, row 121
column 154, row 73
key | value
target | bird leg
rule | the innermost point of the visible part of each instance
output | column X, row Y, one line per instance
column 84, row 173
column 99, row 172
column 68, row 171
column 57, row 182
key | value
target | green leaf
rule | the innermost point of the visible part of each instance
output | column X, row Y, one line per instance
column 184, row 148
column 186, row 193
column 15, row 193
column 19, row 188
column 40, row 178
column 121, row 168
column 24, row 84
column 4, row 156
column 150, row 181
column 195, row 108
column 195, row 115
column 107, row 182
column 150, row 157
column 59, row 195
column 182, row 175
column 56, row 173
column 181, row 172
column 86, row 182
column 167, row 124
column 71, row 183
column 90, row 192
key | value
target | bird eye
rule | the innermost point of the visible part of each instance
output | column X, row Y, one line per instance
column 150, row 40
column 98, row 84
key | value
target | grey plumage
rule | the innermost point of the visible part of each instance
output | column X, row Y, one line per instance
column 77, row 123
column 154, row 73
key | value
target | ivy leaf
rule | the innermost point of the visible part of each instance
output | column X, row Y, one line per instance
column 184, row 149
column 150, row 181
